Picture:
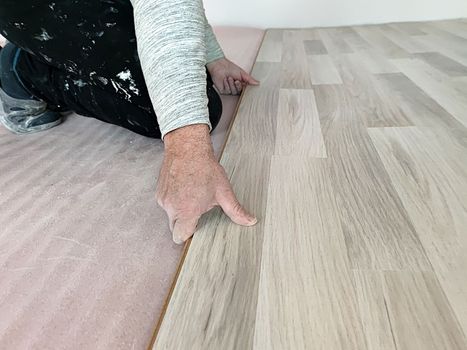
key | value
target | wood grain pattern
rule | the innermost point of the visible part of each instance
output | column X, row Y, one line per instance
column 294, row 73
column 375, row 63
column 443, row 63
column 353, row 153
column 375, row 105
column 314, row 47
column 422, row 295
column 298, row 127
column 271, row 49
column 436, row 85
column 334, row 42
column 322, row 70
column 378, row 239
column 406, row 42
column 302, row 215
column 256, row 117
column 219, row 309
column 379, row 41
column 433, row 193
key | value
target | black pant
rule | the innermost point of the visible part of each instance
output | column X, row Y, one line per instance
column 74, row 55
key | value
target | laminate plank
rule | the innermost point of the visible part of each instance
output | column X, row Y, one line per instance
column 453, row 38
column 306, row 298
column 322, row 70
column 294, row 73
column 359, row 185
column 314, row 47
column 298, row 126
column 408, row 28
column 377, row 106
column 376, row 238
column 417, row 299
column 309, row 33
column 410, row 311
column 375, row 63
column 435, row 85
column 271, row 49
column 443, row 63
column 375, row 37
column 334, row 42
column 404, row 41
column 213, row 305
column 353, row 39
column 373, row 310
column 256, row 118
column 433, row 192
column 446, row 47
column 453, row 27
column 423, row 110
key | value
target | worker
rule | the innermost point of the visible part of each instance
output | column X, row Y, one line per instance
column 150, row 66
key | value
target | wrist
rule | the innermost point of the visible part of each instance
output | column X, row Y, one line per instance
column 190, row 140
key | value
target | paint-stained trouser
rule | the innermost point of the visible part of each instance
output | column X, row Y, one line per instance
column 82, row 56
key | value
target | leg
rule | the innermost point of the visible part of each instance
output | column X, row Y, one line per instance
column 82, row 56
column 62, row 89
column 20, row 111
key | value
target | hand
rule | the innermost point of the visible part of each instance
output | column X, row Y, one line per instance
column 229, row 78
column 192, row 182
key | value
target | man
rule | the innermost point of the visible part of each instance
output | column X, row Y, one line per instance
column 126, row 63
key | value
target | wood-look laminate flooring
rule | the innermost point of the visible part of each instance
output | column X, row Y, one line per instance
column 353, row 154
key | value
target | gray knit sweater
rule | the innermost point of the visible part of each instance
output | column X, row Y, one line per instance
column 175, row 42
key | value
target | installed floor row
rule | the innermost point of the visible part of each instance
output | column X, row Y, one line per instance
column 353, row 154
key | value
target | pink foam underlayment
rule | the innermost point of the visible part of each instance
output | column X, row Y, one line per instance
column 86, row 256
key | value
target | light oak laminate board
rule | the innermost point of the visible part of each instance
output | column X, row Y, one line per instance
column 374, row 62
column 219, row 309
column 298, row 127
column 443, row 63
column 256, row 118
column 294, row 73
column 314, row 47
column 378, row 40
column 375, row 106
column 352, row 152
column 406, row 42
column 433, row 193
column 322, row 70
column 435, row 84
column 377, row 239
column 334, row 42
column 271, row 49
column 311, row 297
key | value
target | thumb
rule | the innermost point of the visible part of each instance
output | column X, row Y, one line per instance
column 248, row 78
column 184, row 229
column 234, row 210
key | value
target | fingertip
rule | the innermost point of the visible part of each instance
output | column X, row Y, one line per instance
column 253, row 221
column 247, row 220
column 254, row 81
column 177, row 240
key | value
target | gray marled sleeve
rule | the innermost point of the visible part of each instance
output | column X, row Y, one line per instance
column 213, row 49
column 171, row 37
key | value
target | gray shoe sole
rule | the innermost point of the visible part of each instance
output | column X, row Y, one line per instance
column 26, row 116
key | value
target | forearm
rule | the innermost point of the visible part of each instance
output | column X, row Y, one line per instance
column 172, row 51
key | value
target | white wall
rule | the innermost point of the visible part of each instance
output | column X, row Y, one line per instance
column 313, row 13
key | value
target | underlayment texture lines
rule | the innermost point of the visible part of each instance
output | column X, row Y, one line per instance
column 86, row 255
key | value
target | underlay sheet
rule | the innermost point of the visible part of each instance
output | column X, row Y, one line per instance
column 86, row 256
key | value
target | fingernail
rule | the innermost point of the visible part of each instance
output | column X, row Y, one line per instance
column 253, row 221
column 177, row 240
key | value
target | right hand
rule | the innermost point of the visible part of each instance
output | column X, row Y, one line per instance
column 192, row 182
